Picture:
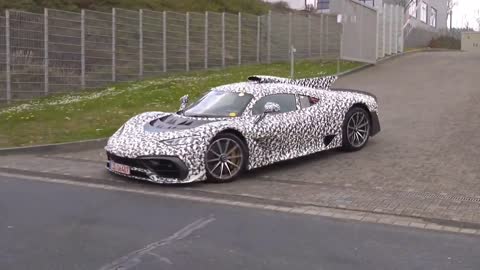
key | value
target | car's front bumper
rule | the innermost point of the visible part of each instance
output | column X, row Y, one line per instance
column 156, row 169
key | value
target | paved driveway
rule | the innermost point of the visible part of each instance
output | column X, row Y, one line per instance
column 424, row 163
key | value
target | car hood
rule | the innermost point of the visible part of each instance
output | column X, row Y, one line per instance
column 142, row 134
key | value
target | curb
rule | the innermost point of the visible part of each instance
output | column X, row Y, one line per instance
column 357, row 69
column 256, row 203
column 390, row 57
column 53, row 148
column 412, row 52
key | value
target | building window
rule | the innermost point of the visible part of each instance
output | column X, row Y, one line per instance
column 323, row 4
column 368, row 2
column 412, row 8
column 423, row 12
column 433, row 17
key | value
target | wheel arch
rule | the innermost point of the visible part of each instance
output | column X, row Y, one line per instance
column 234, row 132
column 373, row 117
column 363, row 106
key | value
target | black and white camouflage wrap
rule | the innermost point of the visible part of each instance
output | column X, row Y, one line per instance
column 277, row 137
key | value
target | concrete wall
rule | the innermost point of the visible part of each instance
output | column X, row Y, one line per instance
column 471, row 42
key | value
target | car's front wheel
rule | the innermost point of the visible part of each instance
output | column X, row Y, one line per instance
column 356, row 129
column 226, row 158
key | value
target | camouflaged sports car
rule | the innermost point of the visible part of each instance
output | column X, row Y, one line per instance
column 242, row 126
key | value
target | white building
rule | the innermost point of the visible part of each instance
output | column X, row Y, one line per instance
column 294, row 4
column 471, row 41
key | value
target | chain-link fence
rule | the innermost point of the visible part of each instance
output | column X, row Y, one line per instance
column 61, row 51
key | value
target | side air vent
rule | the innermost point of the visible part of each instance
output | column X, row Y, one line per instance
column 328, row 139
column 254, row 79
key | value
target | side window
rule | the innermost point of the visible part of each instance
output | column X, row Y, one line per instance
column 286, row 102
column 306, row 101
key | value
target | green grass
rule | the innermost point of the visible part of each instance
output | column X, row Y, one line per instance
column 233, row 6
column 97, row 114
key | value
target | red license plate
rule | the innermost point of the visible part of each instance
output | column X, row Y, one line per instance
column 119, row 168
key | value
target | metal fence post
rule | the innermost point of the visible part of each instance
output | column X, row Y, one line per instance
column 326, row 35
column 292, row 62
column 82, row 40
column 164, row 40
column 321, row 35
column 338, row 66
column 395, row 28
column 114, row 45
column 377, row 34
column 140, row 43
column 290, row 24
column 384, row 49
column 258, row 38
column 402, row 38
column 390, row 38
column 223, row 39
column 45, row 53
column 187, row 41
column 269, row 37
column 341, row 45
column 206, row 40
column 309, row 35
column 340, row 56
column 239, row 38
column 7, row 55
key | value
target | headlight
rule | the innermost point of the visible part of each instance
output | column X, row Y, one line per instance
column 181, row 141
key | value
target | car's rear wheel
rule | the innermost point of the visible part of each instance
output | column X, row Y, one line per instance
column 356, row 129
column 226, row 158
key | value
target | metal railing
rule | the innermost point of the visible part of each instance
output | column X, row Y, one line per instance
column 61, row 51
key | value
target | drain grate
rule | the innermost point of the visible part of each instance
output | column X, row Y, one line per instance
column 428, row 195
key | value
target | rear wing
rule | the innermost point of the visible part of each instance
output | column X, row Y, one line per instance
column 317, row 82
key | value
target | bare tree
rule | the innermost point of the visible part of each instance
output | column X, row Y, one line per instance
column 309, row 6
column 467, row 23
column 450, row 5
column 477, row 18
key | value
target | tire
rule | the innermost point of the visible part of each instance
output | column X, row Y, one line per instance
column 356, row 129
column 226, row 158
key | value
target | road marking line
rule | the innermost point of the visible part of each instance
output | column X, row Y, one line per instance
column 325, row 212
column 135, row 257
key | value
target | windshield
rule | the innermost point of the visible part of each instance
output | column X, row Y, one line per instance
column 219, row 104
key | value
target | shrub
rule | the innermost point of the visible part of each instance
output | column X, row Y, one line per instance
column 445, row 42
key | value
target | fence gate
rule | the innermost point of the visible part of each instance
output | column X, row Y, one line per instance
column 369, row 33
column 359, row 37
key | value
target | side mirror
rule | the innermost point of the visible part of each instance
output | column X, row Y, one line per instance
column 183, row 102
column 271, row 107
column 268, row 108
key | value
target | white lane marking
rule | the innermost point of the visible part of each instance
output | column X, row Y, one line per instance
column 135, row 257
column 160, row 258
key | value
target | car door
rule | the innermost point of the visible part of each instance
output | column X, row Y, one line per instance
column 321, row 130
column 276, row 136
column 313, row 122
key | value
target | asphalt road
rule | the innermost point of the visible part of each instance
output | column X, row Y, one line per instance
column 56, row 226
